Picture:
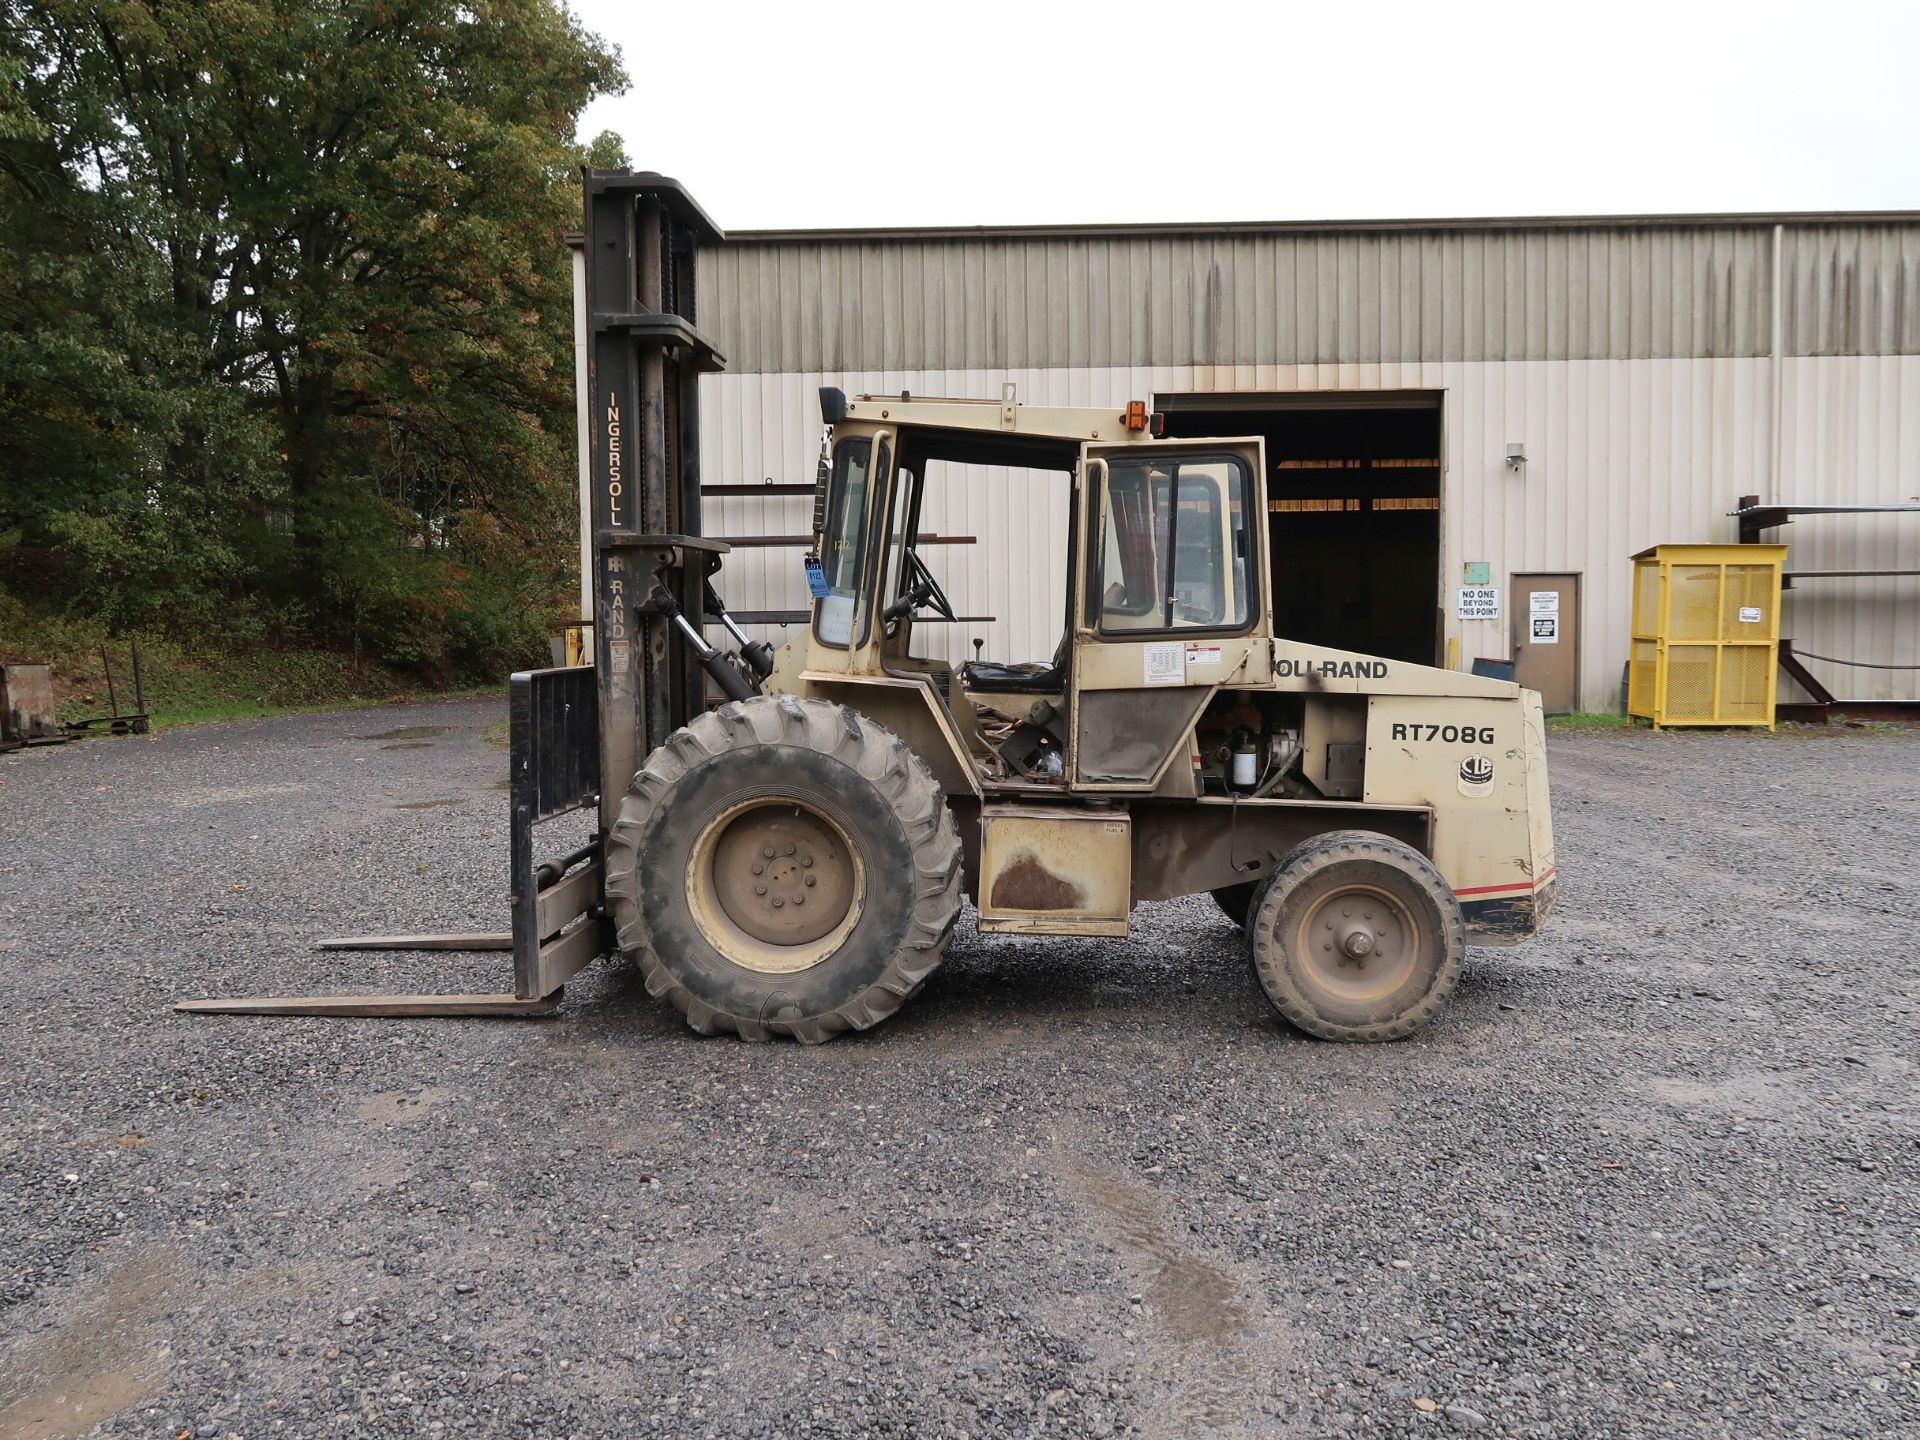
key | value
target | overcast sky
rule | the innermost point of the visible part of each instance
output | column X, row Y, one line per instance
column 810, row 114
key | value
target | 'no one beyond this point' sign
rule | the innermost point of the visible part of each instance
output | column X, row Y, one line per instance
column 1479, row 602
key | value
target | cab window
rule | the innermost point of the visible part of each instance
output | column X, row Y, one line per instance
column 1175, row 544
column 900, row 535
column 843, row 609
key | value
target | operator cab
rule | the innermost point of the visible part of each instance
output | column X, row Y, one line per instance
column 1167, row 559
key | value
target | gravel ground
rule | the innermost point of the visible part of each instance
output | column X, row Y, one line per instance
column 1652, row 1174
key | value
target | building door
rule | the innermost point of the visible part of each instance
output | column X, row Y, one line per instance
column 1546, row 638
column 1353, row 500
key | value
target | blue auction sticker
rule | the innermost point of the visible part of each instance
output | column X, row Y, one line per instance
column 816, row 577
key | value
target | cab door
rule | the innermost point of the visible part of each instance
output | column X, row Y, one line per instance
column 1171, row 600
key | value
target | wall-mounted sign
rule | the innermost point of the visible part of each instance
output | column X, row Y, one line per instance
column 1476, row 572
column 1479, row 602
column 1749, row 614
column 1543, row 615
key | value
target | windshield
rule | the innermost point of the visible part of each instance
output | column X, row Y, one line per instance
column 843, row 544
column 1174, row 544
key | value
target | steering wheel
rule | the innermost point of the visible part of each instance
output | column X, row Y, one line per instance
column 922, row 589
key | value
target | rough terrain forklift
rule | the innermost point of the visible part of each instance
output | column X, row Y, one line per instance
column 792, row 859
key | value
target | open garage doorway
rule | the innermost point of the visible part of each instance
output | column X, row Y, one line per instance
column 1353, row 500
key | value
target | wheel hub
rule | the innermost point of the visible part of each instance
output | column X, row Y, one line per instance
column 1359, row 942
column 782, row 874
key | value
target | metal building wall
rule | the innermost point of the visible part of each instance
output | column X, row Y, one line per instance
column 1633, row 362
column 1280, row 298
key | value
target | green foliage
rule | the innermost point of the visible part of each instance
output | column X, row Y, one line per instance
column 607, row 151
column 285, row 316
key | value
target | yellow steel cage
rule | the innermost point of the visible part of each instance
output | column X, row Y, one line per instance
column 1706, row 634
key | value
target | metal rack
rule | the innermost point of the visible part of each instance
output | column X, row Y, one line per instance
column 1755, row 520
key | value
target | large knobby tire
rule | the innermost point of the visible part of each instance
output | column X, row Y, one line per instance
column 746, row 817
column 1235, row 900
column 1357, row 937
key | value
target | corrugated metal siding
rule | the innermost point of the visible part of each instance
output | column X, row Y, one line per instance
column 1286, row 299
column 1622, row 455
column 1852, row 290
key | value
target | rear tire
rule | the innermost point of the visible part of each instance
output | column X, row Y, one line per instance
column 1357, row 937
column 744, row 819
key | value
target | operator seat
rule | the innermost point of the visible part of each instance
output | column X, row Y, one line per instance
column 991, row 677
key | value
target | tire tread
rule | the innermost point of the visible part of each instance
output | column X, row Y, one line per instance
column 903, row 781
column 1309, row 856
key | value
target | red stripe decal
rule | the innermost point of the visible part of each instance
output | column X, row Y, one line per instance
column 1499, row 889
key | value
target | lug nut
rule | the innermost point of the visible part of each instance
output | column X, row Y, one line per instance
column 767, row 851
column 759, row 869
column 811, row 879
column 806, row 860
column 778, row 903
column 799, row 899
column 759, row 889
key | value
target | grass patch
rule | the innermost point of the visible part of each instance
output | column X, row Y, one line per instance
column 189, row 683
column 1586, row 720
column 256, row 709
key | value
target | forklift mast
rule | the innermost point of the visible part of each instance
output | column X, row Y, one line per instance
column 643, row 547
column 578, row 733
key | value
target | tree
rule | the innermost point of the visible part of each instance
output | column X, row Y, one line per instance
column 607, row 151
column 340, row 297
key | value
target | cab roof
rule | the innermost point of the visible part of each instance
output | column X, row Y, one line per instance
column 1078, row 424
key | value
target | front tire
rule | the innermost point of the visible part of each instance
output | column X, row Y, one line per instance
column 1357, row 937
column 784, row 867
